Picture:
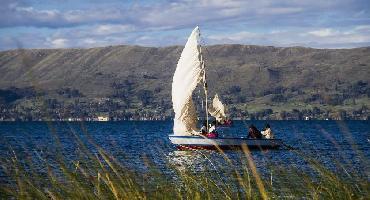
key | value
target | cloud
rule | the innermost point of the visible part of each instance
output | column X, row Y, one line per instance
column 279, row 10
column 105, row 35
column 233, row 38
column 112, row 28
column 47, row 24
column 323, row 32
column 355, row 35
column 20, row 14
column 164, row 15
column 59, row 42
column 318, row 38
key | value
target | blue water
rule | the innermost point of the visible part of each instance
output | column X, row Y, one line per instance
column 339, row 145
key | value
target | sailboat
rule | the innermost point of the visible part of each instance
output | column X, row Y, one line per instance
column 217, row 110
column 191, row 71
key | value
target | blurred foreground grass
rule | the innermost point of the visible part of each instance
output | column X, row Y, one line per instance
column 95, row 174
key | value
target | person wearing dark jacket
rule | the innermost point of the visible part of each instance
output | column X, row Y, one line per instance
column 203, row 130
column 254, row 133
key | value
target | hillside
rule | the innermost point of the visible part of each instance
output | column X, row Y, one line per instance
column 254, row 81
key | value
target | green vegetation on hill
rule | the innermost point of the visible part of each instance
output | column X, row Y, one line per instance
column 256, row 82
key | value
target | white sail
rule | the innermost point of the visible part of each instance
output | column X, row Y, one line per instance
column 217, row 109
column 187, row 75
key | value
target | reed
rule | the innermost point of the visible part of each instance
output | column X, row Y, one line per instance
column 95, row 174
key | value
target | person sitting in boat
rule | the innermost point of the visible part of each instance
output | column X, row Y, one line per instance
column 212, row 127
column 212, row 130
column 227, row 122
column 254, row 133
column 267, row 132
column 203, row 130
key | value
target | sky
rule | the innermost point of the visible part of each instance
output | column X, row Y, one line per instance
column 94, row 23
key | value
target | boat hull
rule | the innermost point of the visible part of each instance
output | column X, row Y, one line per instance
column 199, row 142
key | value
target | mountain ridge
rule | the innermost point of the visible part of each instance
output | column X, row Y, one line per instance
column 169, row 46
column 242, row 74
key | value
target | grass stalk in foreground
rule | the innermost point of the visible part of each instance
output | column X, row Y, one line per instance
column 95, row 174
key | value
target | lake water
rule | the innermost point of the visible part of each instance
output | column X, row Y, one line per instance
column 337, row 144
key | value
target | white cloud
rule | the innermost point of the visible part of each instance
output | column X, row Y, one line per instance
column 161, row 14
column 319, row 38
column 235, row 37
column 279, row 10
column 59, row 43
column 89, row 41
column 323, row 32
column 362, row 28
column 107, row 29
column 88, row 37
column 30, row 13
column 160, row 23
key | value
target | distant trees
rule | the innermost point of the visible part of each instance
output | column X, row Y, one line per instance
column 283, row 114
column 131, row 100
column 119, row 94
column 149, row 76
column 273, row 90
column 157, row 89
column 334, row 99
column 52, row 103
column 296, row 114
column 312, row 98
column 316, row 111
column 145, row 96
column 241, row 99
column 263, row 113
column 69, row 93
column 342, row 114
column 8, row 96
column 357, row 89
column 341, row 94
column 278, row 98
column 235, row 89
column 123, row 90
column 13, row 94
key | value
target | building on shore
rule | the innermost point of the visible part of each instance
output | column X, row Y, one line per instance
column 103, row 118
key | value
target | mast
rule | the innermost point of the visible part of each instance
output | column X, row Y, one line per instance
column 204, row 83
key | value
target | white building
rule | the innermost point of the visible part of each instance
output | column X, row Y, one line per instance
column 103, row 119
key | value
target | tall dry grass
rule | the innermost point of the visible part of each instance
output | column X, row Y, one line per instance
column 95, row 174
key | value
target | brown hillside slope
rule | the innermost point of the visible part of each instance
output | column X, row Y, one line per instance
column 240, row 73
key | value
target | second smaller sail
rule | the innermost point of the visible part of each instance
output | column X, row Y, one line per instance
column 217, row 109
